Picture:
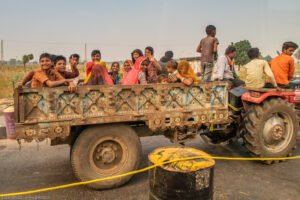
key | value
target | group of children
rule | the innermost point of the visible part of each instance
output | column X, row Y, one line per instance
column 280, row 70
column 143, row 68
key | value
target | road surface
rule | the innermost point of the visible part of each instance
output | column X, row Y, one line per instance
column 31, row 169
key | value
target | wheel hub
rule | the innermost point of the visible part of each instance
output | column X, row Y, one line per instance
column 273, row 130
column 107, row 154
column 277, row 132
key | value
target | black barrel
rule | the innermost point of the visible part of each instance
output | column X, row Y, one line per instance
column 191, row 179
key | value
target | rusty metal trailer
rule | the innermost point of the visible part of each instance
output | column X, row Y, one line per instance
column 103, row 124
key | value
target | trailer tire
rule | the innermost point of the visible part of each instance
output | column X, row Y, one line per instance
column 270, row 129
column 104, row 151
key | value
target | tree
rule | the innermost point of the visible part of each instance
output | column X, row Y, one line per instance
column 268, row 58
column 26, row 59
column 241, row 52
column 297, row 55
column 12, row 61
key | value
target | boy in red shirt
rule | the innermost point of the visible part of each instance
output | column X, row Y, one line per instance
column 96, row 57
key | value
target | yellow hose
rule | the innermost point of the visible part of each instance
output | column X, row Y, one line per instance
column 139, row 171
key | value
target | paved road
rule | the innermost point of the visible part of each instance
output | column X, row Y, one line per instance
column 30, row 169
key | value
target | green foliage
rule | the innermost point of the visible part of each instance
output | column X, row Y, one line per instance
column 268, row 58
column 297, row 55
column 26, row 59
column 241, row 52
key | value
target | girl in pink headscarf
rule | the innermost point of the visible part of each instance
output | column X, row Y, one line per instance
column 98, row 76
column 132, row 77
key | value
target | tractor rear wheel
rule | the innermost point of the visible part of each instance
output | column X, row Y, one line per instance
column 270, row 129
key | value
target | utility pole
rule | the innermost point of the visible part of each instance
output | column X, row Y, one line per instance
column 85, row 55
column 2, row 54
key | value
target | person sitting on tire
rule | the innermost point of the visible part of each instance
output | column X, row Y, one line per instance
column 256, row 69
column 224, row 69
column 282, row 66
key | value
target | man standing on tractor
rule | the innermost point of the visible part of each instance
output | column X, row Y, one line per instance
column 282, row 66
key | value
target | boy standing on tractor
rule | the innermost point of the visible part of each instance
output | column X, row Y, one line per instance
column 208, row 49
column 282, row 66
column 256, row 69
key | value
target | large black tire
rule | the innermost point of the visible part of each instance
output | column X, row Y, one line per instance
column 103, row 151
column 270, row 129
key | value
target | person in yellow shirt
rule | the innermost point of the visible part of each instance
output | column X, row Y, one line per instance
column 256, row 69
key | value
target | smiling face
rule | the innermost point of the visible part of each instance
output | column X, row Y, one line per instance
column 115, row 68
column 74, row 61
column 147, row 53
column 136, row 55
column 45, row 63
column 144, row 65
column 96, row 58
column 127, row 67
column 60, row 66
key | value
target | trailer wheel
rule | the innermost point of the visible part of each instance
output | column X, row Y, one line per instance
column 104, row 151
column 270, row 129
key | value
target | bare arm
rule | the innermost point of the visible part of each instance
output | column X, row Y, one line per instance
column 186, row 81
column 55, row 83
column 216, row 43
column 199, row 48
column 155, row 63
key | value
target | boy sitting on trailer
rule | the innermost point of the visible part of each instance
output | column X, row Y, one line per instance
column 46, row 76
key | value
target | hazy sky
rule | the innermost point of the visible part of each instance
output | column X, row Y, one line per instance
column 118, row 27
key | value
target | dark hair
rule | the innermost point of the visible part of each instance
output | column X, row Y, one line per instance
column 229, row 50
column 150, row 49
column 115, row 63
column 146, row 60
column 136, row 51
column 287, row 45
column 45, row 55
column 58, row 58
column 162, row 77
column 127, row 61
column 53, row 57
column 169, row 54
column 94, row 52
column 253, row 53
column 209, row 29
column 74, row 55
column 172, row 64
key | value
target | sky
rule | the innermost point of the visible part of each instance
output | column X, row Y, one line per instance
column 117, row 27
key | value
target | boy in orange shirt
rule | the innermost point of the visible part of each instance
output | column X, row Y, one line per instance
column 282, row 66
column 46, row 76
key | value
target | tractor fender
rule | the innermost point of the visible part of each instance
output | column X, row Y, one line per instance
column 247, row 97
